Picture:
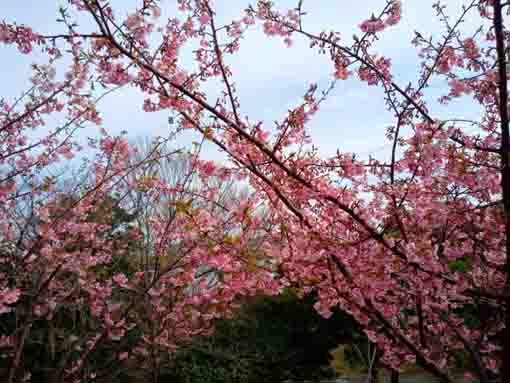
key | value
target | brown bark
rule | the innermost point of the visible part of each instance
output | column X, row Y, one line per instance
column 394, row 376
column 505, row 172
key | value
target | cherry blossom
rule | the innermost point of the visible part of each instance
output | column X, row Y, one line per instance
column 411, row 247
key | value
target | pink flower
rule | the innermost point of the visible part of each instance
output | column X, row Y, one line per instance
column 121, row 280
column 341, row 71
column 458, row 88
column 365, row 74
column 447, row 60
column 249, row 20
column 10, row 296
column 22, row 36
column 204, row 19
column 274, row 29
column 208, row 168
column 471, row 49
column 372, row 26
column 394, row 13
column 323, row 309
column 66, row 151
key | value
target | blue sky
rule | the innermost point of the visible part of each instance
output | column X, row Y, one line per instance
column 269, row 78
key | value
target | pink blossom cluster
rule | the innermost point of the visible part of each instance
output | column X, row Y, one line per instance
column 22, row 36
column 404, row 244
column 391, row 17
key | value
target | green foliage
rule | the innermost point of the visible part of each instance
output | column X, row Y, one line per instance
column 462, row 265
column 53, row 340
column 270, row 340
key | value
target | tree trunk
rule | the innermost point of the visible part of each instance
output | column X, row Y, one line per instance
column 505, row 172
column 394, row 376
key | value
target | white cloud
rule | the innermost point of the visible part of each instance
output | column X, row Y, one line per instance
column 269, row 77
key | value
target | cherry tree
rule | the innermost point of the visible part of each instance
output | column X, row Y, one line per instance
column 417, row 248
column 60, row 252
